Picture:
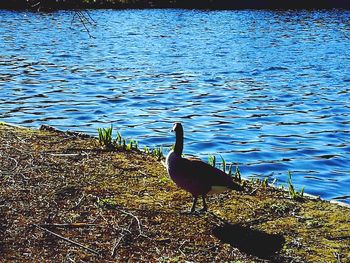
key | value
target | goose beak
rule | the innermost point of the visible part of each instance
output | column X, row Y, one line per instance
column 173, row 128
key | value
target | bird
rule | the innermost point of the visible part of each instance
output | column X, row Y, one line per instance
column 195, row 176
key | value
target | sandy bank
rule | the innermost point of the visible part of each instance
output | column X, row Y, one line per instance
column 58, row 188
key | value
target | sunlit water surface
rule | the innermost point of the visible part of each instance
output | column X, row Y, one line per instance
column 268, row 90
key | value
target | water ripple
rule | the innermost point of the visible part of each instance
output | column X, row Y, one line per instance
column 271, row 96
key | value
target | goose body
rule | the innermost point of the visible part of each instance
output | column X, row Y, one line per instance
column 195, row 176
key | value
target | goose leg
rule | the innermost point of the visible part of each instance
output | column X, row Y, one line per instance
column 194, row 204
column 205, row 207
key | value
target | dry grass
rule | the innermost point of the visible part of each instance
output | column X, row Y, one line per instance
column 120, row 206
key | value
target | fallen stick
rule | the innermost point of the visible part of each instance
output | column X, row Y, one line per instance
column 68, row 240
column 254, row 191
column 73, row 225
column 78, row 203
column 65, row 154
column 122, row 235
column 116, row 244
column 135, row 217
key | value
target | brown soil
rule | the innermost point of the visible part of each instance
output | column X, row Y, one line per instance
column 120, row 206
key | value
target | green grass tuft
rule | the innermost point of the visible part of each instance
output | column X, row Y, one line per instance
column 265, row 182
column 230, row 168
column 223, row 164
column 132, row 145
column 212, row 160
column 238, row 175
column 146, row 150
column 118, row 140
column 294, row 194
column 105, row 136
column 107, row 203
column 158, row 153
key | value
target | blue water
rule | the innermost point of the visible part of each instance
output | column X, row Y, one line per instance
column 268, row 90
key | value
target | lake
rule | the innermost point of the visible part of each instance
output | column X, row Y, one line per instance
column 269, row 91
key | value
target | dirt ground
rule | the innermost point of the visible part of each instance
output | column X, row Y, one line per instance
column 64, row 198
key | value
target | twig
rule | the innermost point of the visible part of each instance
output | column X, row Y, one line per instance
column 65, row 154
column 135, row 217
column 183, row 243
column 83, row 20
column 254, row 191
column 69, row 241
column 36, row 4
column 116, row 244
column 337, row 256
column 14, row 160
column 122, row 235
column 247, row 204
column 73, row 225
column 91, row 18
column 78, row 203
column 68, row 258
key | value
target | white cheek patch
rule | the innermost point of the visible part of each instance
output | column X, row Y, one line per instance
column 217, row 189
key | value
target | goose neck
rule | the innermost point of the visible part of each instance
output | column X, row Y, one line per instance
column 179, row 144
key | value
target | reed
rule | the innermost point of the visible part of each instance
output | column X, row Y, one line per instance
column 223, row 164
column 265, row 182
column 158, row 153
column 105, row 136
column 230, row 169
column 146, row 150
column 132, row 145
column 212, row 160
column 294, row 194
column 119, row 138
column 238, row 175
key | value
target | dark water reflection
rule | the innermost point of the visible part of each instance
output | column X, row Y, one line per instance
column 267, row 90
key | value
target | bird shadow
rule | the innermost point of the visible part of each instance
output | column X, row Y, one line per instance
column 250, row 241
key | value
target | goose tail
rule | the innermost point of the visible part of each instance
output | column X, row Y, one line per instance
column 235, row 186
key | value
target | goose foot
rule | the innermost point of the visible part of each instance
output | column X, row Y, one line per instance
column 203, row 210
column 205, row 207
column 193, row 210
column 187, row 212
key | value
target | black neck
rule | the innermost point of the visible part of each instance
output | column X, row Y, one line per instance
column 179, row 144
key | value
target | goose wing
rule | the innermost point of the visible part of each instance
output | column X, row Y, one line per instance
column 208, row 174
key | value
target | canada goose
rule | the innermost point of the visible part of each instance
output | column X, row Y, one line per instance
column 194, row 175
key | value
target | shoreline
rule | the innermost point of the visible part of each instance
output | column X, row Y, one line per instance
column 88, row 136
